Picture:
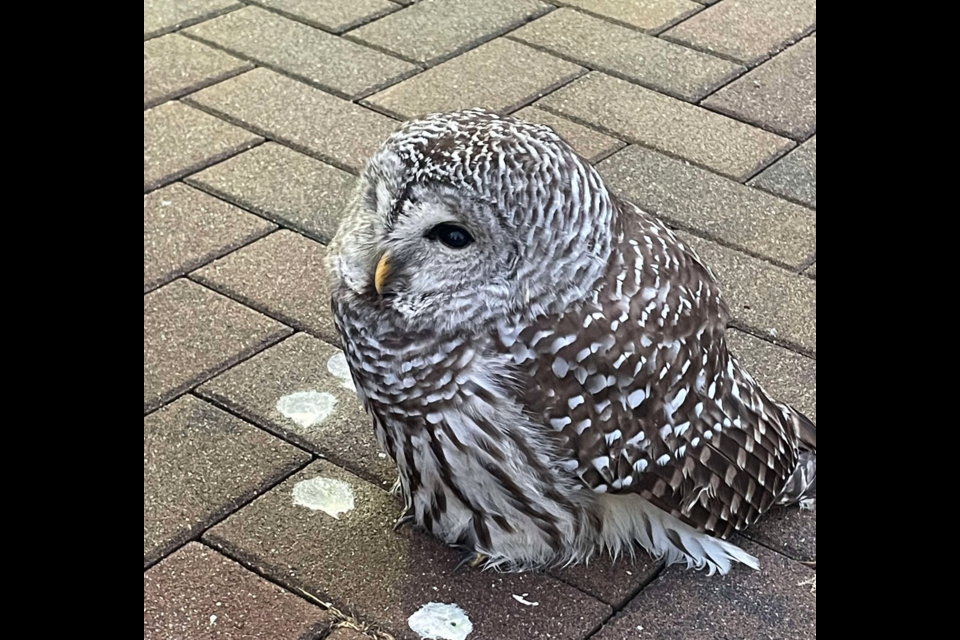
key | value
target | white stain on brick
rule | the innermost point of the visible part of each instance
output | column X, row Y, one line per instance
column 437, row 621
column 307, row 408
column 333, row 497
column 337, row 366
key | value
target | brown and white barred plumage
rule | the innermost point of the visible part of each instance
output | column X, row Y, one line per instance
column 564, row 387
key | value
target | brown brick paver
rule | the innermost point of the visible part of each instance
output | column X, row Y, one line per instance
column 184, row 228
column 190, row 333
column 178, row 139
column 258, row 117
column 672, row 126
column 300, row 390
column 435, row 30
column 640, row 58
column 305, row 118
column 200, row 463
column 306, row 548
column 779, row 95
column 334, row 64
column 747, row 30
column 282, row 185
column 174, row 65
column 647, row 15
column 502, row 75
column 754, row 605
column 282, row 276
column 198, row 594
column 713, row 205
column 331, row 15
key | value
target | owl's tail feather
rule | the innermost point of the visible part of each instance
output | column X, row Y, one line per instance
column 801, row 487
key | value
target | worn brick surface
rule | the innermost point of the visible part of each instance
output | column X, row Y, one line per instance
column 780, row 94
column 333, row 15
column 745, row 604
column 174, row 65
column 768, row 300
column 361, row 565
column 747, row 30
column 281, row 184
column 281, row 275
column 433, row 30
column 308, row 119
column 611, row 581
column 666, row 67
column 200, row 463
column 178, row 140
column 723, row 209
column 793, row 176
column 589, row 143
column 637, row 114
column 190, row 333
column 788, row 376
column 331, row 423
column 161, row 16
column 649, row 15
column 502, row 75
column 198, row 594
column 184, row 228
column 332, row 63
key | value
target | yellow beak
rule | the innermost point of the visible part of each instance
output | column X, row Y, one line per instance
column 383, row 270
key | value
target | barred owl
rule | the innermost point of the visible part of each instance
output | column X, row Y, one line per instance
column 546, row 362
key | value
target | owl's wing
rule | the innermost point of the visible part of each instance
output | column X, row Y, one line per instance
column 645, row 398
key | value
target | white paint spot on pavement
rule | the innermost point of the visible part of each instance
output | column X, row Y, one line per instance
column 523, row 600
column 307, row 408
column 337, row 366
column 333, row 497
column 213, row 620
column 436, row 621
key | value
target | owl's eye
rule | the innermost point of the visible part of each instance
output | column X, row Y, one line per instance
column 454, row 236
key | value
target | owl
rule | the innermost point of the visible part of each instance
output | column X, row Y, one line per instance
column 547, row 363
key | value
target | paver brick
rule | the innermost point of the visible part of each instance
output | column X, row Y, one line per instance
column 174, row 65
column 589, row 143
column 612, row 581
column 694, row 198
column 283, row 185
column 333, row 15
column 501, row 75
column 307, row 119
column 198, row 594
column 184, row 228
column 747, row 31
column 434, row 30
column 302, row 391
column 648, row 15
column 779, row 95
column 654, row 63
column 200, row 463
column 161, row 16
column 191, row 333
column 788, row 376
column 334, row 64
column 794, row 176
column 767, row 300
column 637, row 114
column 281, row 275
column 359, row 563
column 775, row 602
column 178, row 140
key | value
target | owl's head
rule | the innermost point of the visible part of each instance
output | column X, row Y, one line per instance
column 465, row 218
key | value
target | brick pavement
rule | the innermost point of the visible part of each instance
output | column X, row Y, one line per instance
column 258, row 115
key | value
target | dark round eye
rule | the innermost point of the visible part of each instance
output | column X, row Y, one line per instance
column 454, row 236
